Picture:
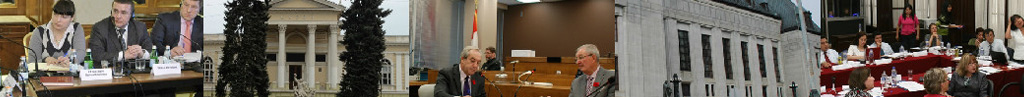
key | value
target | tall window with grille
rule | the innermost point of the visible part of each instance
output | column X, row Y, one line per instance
column 684, row 50
column 209, row 71
column 727, row 57
column 706, row 49
column 764, row 91
column 746, row 61
column 685, row 89
column 760, row 59
column 385, row 74
column 775, row 59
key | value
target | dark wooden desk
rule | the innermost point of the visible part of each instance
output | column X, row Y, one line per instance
column 145, row 81
column 508, row 90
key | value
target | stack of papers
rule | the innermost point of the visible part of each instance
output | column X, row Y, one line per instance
column 984, row 62
column 984, row 57
column 935, row 50
column 46, row 67
column 911, row 86
column 919, row 54
column 875, row 91
column 821, row 90
column 988, row 70
column 1014, row 65
column 827, row 95
column 847, row 65
column 883, row 61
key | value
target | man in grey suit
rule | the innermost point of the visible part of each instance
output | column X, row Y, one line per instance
column 119, row 36
column 593, row 75
column 462, row 80
column 181, row 30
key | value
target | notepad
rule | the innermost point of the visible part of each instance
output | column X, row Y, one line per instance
column 988, row 70
column 910, row 86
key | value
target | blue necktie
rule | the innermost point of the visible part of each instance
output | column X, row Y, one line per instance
column 465, row 87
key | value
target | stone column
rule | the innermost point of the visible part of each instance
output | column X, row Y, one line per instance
column 332, row 57
column 309, row 73
column 282, row 69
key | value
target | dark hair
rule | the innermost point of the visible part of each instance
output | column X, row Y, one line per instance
column 933, row 24
column 129, row 2
column 979, row 31
column 857, row 78
column 861, row 34
column 989, row 31
column 491, row 49
column 1014, row 19
column 64, row 7
column 911, row 7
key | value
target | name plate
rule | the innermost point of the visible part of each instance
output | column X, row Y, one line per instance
column 96, row 74
column 166, row 69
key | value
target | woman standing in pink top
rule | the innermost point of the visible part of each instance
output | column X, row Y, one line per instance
column 908, row 35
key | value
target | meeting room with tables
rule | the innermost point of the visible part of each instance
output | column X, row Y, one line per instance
column 65, row 48
column 901, row 73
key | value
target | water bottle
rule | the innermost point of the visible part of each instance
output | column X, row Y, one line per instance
column 74, row 54
column 153, row 56
column 88, row 59
column 167, row 52
column 24, row 68
column 885, row 80
column 895, row 77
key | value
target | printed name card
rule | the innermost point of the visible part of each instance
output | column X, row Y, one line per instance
column 96, row 74
column 166, row 69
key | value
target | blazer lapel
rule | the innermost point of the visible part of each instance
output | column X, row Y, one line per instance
column 175, row 28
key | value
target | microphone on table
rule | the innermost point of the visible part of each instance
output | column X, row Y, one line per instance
column 492, row 83
column 196, row 68
column 36, row 57
column 514, row 64
column 608, row 83
column 516, row 94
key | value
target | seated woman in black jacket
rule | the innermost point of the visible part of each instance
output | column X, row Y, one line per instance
column 967, row 81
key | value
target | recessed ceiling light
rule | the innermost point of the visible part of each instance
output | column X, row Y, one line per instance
column 529, row 1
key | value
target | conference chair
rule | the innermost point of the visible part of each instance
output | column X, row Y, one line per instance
column 426, row 90
column 1018, row 84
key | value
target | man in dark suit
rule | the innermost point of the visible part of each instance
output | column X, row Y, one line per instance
column 119, row 37
column 492, row 60
column 182, row 30
column 593, row 75
column 462, row 80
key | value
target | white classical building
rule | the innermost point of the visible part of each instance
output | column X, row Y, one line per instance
column 718, row 48
column 303, row 42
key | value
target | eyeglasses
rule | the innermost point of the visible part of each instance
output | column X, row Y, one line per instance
column 578, row 58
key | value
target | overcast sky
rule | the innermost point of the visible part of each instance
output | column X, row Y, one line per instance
column 815, row 7
column 395, row 24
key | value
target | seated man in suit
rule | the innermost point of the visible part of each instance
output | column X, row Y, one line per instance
column 593, row 75
column 119, row 37
column 462, row 80
column 993, row 47
column 886, row 49
column 828, row 56
column 492, row 60
column 181, row 30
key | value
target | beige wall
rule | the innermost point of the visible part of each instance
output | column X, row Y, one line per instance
column 487, row 22
column 91, row 11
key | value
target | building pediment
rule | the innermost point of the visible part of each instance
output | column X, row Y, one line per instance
column 305, row 5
